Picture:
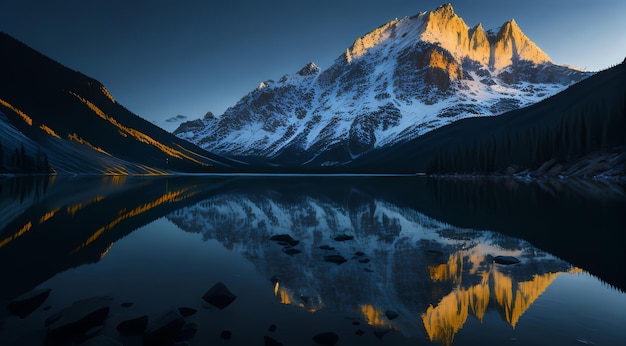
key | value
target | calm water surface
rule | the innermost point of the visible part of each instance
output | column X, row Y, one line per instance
column 364, row 250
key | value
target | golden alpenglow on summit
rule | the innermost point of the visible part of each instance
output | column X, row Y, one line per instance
column 400, row 81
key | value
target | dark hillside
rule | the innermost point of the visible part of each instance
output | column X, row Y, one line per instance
column 79, row 125
column 580, row 131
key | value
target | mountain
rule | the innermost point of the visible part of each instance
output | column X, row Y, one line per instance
column 396, row 83
column 54, row 119
column 171, row 124
column 578, row 132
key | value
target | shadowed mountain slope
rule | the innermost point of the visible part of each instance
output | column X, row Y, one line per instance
column 53, row 116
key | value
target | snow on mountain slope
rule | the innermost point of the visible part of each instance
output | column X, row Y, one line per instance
column 398, row 82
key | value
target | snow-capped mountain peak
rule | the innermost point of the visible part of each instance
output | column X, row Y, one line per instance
column 309, row 69
column 401, row 80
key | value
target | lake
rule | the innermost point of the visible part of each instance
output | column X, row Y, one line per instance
column 370, row 260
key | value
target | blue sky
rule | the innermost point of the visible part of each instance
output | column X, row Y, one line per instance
column 163, row 58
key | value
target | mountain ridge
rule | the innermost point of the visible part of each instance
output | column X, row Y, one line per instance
column 50, row 110
column 401, row 80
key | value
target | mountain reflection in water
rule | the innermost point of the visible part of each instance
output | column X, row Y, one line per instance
column 403, row 255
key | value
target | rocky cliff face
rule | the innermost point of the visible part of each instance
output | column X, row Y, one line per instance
column 396, row 83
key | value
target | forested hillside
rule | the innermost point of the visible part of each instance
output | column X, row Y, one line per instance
column 581, row 131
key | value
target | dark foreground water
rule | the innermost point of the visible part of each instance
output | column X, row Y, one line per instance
column 374, row 260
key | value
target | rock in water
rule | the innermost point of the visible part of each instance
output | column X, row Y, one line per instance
column 78, row 318
column 344, row 237
column 271, row 342
column 226, row 334
column 165, row 330
column 135, row 326
column 186, row 312
column 391, row 314
column 25, row 304
column 219, row 296
column 285, row 238
column 506, row 260
column 337, row 259
column 327, row 339
column 101, row 340
column 291, row 251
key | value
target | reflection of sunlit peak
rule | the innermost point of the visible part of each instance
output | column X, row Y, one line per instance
column 450, row 271
column 287, row 297
column 376, row 317
column 515, row 299
column 446, row 319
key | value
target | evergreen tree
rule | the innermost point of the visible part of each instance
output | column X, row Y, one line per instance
column 46, row 164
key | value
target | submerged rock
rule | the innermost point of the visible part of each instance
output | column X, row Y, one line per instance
column 101, row 340
column 507, row 260
column 25, row 304
column 285, row 239
column 380, row 333
column 327, row 339
column 344, row 237
column 291, row 251
column 186, row 312
column 165, row 329
column 337, row 259
column 78, row 318
column 189, row 331
column 135, row 326
column 269, row 341
column 391, row 314
column 327, row 247
column 219, row 296
column 226, row 334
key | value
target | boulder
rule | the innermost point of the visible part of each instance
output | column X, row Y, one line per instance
column 271, row 342
column 291, row 251
column 165, row 329
column 73, row 321
column 506, row 260
column 337, row 259
column 344, row 237
column 285, row 239
column 186, row 312
column 327, row 339
column 25, row 304
column 135, row 326
column 101, row 340
column 391, row 314
column 219, row 296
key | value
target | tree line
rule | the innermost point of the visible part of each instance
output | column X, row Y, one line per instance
column 19, row 161
column 562, row 138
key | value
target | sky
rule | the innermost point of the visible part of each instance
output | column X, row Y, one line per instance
column 164, row 58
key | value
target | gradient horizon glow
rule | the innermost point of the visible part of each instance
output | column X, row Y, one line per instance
column 163, row 58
